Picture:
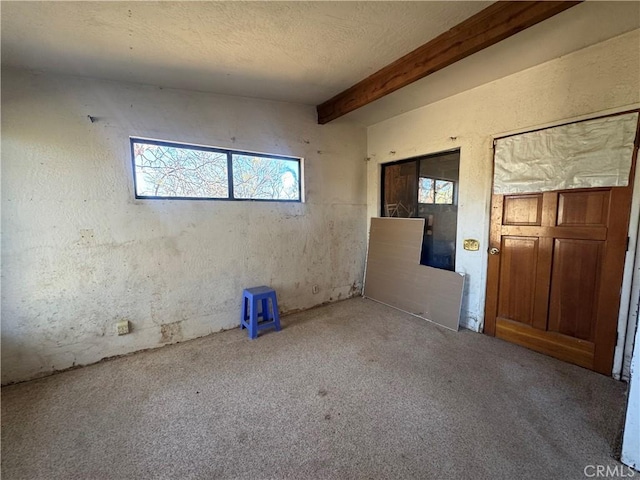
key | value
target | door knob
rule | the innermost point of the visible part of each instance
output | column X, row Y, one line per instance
column 494, row 251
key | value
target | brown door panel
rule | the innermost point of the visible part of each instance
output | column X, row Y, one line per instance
column 575, row 282
column 518, row 261
column 554, row 278
column 556, row 345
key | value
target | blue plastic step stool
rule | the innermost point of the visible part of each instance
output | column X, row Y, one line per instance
column 270, row 317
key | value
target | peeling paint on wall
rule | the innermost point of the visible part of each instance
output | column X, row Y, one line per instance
column 171, row 332
column 79, row 252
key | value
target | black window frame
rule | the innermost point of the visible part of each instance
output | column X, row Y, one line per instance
column 426, row 239
column 229, row 153
column 417, row 159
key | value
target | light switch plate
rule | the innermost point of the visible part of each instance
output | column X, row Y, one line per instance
column 471, row 244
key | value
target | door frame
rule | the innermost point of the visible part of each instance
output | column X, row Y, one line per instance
column 628, row 313
column 630, row 292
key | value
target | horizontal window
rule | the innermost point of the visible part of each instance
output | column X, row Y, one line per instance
column 165, row 170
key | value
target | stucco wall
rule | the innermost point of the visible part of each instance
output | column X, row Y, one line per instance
column 596, row 80
column 80, row 253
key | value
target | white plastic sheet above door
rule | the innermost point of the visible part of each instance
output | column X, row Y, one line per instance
column 593, row 153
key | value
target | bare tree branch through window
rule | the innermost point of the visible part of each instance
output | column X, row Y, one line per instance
column 265, row 178
column 167, row 170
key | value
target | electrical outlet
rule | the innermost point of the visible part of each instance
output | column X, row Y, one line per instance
column 315, row 289
column 122, row 328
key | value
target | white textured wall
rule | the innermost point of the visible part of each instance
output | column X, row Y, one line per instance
column 80, row 253
column 598, row 79
column 630, row 454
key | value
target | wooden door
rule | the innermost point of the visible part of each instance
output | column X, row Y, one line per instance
column 555, row 272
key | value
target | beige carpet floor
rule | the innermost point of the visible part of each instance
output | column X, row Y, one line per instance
column 353, row 390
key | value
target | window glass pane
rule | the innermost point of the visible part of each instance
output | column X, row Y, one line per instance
column 441, row 216
column 400, row 189
column 444, row 192
column 171, row 171
column 265, row 178
column 425, row 190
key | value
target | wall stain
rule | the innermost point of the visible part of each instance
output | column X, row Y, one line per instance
column 171, row 332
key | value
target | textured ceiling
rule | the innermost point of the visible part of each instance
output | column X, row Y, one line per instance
column 303, row 52
column 295, row 51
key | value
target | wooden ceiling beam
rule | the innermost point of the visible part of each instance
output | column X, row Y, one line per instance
column 493, row 24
